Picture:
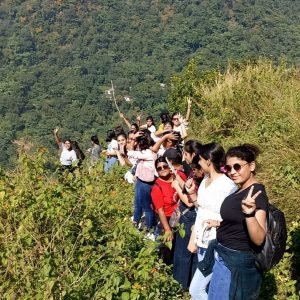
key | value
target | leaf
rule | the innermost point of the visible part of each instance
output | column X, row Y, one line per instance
column 2, row 194
column 182, row 232
column 125, row 296
column 169, row 244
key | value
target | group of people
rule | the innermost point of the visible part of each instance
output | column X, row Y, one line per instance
column 212, row 194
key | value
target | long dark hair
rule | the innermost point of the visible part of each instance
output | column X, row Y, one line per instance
column 215, row 153
column 110, row 135
column 145, row 141
column 79, row 153
column 192, row 146
column 95, row 139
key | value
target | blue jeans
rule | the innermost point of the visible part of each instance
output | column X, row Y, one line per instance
column 143, row 203
column 199, row 284
column 220, row 281
column 109, row 162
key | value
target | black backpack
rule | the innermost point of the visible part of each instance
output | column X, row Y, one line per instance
column 275, row 242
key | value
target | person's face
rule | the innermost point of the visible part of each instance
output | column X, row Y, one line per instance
column 121, row 140
column 68, row 145
column 131, row 138
column 149, row 122
column 176, row 120
column 133, row 128
column 240, row 171
column 188, row 157
column 163, row 169
column 168, row 127
column 198, row 173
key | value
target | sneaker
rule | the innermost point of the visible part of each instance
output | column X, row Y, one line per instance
column 150, row 236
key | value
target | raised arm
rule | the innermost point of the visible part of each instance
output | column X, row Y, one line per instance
column 255, row 219
column 184, row 198
column 125, row 120
column 157, row 145
column 138, row 120
column 188, row 112
column 56, row 137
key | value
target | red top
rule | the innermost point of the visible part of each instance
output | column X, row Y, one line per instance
column 164, row 196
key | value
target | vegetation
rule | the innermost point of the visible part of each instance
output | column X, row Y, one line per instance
column 57, row 58
column 70, row 237
column 258, row 103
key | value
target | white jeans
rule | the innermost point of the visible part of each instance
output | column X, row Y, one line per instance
column 198, row 286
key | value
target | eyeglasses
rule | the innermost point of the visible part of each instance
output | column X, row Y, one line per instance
column 236, row 167
column 175, row 119
column 161, row 168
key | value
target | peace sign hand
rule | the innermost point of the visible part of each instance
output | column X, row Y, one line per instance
column 248, row 204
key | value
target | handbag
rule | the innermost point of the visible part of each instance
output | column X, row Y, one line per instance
column 175, row 217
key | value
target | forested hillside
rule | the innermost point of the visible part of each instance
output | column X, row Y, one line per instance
column 57, row 58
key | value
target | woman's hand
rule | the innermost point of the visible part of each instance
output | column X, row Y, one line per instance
column 211, row 223
column 138, row 134
column 248, row 204
column 168, row 236
column 55, row 130
column 175, row 184
column 190, row 186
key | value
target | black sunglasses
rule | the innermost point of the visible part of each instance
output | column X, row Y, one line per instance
column 236, row 167
column 163, row 167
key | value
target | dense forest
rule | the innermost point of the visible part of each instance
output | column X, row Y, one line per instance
column 57, row 58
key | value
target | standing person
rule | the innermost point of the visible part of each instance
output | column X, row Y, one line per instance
column 190, row 149
column 149, row 124
column 214, row 188
column 165, row 198
column 185, row 262
column 164, row 117
column 96, row 149
column 241, row 234
column 68, row 155
column 179, row 124
column 145, row 177
column 111, row 157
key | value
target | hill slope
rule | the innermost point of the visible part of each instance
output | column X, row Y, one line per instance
column 57, row 58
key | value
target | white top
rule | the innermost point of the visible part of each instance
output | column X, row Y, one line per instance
column 146, row 158
column 179, row 128
column 151, row 128
column 67, row 157
column 112, row 145
column 210, row 199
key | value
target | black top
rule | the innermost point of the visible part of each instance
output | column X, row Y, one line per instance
column 233, row 232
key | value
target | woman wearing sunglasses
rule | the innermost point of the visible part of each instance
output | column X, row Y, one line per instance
column 165, row 195
column 214, row 188
column 242, row 231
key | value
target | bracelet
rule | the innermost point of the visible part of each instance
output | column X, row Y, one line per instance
column 249, row 215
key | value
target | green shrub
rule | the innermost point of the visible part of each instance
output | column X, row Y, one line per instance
column 71, row 237
column 258, row 103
